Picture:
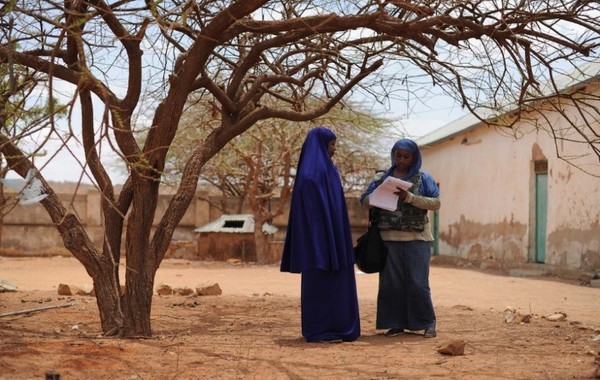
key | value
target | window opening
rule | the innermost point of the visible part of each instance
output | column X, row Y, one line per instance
column 233, row 224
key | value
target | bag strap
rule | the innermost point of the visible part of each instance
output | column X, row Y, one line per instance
column 374, row 211
column 373, row 215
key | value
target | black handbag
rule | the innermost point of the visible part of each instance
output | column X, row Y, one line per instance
column 370, row 250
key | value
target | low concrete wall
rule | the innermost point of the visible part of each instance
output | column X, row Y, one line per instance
column 29, row 231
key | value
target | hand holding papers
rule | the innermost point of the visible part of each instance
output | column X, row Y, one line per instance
column 384, row 195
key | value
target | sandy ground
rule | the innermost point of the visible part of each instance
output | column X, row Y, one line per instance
column 252, row 330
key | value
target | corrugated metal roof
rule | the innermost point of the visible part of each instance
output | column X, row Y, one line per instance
column 457, row 126
column 584, row 74
column 581, row 75
column 235, row 223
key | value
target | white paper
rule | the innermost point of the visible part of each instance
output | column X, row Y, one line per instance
column 383, row 196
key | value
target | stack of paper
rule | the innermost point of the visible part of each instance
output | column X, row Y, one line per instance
column 383, row 196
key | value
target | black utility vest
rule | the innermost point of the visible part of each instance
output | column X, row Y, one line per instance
column 406, row 217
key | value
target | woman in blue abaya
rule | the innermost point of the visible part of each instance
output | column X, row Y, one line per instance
column 318, row 244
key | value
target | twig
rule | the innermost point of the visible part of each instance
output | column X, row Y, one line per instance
column 34, row 310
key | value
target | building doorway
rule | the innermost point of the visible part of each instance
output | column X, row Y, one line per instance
column 541, row 210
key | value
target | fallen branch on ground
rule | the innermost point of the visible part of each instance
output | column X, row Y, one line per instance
column 34, row 310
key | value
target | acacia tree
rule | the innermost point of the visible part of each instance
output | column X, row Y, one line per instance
column 240, row 56
column 258, row 166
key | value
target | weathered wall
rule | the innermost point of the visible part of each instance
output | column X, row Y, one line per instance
column 487, row 183
column 28, row 230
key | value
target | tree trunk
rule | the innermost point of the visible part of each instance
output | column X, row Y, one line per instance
column 124, row 314
column 2, row 202
column 137, row 303
column 127, row 314
column 108, row 298
column 142, row 263
column 261, row 241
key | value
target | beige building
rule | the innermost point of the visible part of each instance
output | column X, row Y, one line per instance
column 526, row 193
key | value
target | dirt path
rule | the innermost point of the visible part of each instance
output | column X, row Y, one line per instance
column 253, row 329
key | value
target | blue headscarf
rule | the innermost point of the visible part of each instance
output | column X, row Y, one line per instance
column 411, row 147
column 318, row 232
column 428, row 186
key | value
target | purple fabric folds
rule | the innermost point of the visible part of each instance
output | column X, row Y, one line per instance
column 318, row 232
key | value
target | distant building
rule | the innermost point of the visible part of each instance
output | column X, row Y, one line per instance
column 506, row 196
column 229, row 237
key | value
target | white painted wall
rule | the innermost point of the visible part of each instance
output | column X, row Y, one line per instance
column 487, row 187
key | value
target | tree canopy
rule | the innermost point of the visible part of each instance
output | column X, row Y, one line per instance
column 256, row 169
